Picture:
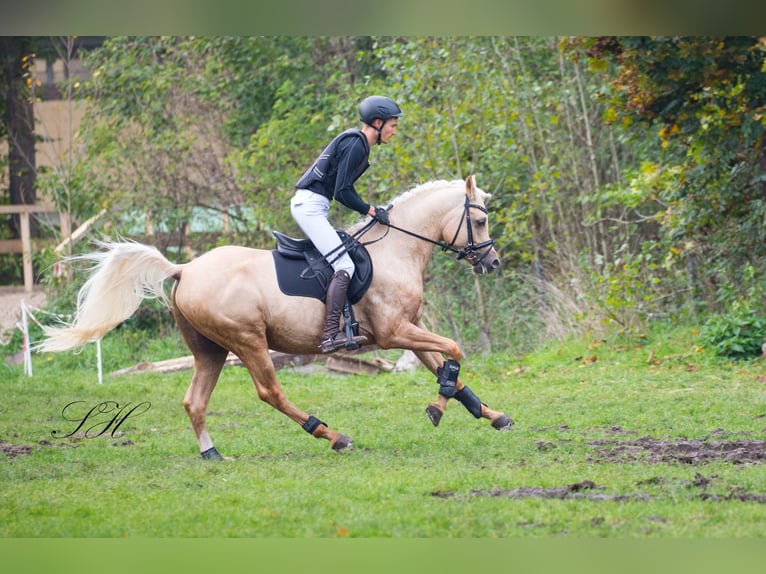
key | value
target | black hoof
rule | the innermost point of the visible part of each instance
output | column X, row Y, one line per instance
column 342, row 443
column 434, row 414
column 503, row 422
column 211, row 454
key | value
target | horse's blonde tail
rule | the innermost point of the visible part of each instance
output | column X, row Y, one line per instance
column 124, row 274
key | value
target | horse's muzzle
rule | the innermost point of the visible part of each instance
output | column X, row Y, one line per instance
column 487, row 264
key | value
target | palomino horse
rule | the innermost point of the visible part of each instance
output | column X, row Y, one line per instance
column 228, row 300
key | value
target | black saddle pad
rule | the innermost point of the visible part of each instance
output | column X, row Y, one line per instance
column 302, row 272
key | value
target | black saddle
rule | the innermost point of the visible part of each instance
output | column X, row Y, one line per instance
column 303, row 271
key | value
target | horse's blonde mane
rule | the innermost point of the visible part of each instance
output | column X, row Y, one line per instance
column 440, row 184
column 425, row 187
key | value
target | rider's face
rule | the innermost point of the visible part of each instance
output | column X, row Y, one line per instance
column 388, row 130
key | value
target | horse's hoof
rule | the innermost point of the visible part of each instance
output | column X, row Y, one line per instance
column 503, row 422
column 342, row 443
column 434, row 413
column 211, row 454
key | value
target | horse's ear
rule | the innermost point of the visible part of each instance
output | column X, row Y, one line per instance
column 470, row 186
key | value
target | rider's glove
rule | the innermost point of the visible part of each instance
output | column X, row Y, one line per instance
column 381, row 215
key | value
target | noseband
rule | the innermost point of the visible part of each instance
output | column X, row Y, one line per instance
column 473, row 252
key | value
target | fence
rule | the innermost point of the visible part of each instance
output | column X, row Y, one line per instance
column 24, row 245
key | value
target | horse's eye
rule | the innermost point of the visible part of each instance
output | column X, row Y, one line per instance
column 481, row 222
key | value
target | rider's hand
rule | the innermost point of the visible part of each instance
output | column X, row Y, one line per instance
column 381, row 215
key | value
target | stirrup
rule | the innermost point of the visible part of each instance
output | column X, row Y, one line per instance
column 340, row 341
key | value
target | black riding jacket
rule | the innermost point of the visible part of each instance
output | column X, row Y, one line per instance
column 336, row 169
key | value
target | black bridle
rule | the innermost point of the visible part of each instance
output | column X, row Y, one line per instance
column 474, row 252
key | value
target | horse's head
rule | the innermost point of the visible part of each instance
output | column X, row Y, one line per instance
column 446, row 214
column 466, row 230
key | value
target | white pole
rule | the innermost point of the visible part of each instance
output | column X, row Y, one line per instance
column 27, row 350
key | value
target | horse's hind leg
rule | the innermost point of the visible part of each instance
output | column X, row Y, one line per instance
column 257, row 360
column 434, row 362
column 209, row 359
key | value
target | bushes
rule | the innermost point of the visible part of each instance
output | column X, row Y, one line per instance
column 738, row 334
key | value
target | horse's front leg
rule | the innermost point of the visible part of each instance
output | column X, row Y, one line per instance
column 450, row 386
column 430, row 349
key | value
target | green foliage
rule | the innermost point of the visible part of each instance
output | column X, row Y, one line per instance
column 221, row 123
column 738, row 334
column 302, row 123
column 460, row 112
column 705, row 98
column 241, row 76
column 314, row 102
column 153, row 143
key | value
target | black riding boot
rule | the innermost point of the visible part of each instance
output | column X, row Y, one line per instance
column 332, row 338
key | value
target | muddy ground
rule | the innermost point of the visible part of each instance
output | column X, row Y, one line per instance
column 696, row 453
column 646, row 450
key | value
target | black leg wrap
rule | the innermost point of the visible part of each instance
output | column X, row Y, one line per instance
column 446, row 376
column 211, row 454
column 470, row 401
column 311, row 424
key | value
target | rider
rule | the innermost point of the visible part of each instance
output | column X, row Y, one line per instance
column 332, row 176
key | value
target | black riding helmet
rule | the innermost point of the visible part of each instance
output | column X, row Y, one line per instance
column 375, row 107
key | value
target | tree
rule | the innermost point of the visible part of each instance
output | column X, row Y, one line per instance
column 706, row 99
column 177, row 125
column 16, row 89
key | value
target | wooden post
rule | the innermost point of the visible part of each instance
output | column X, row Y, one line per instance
column 26, row 252
column 12, row 245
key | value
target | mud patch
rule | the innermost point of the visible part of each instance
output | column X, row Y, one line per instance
column 653, row 451
column 578, row 491
column 13, row 450
column 739, row 495
column 588, row 490
column 646, row 450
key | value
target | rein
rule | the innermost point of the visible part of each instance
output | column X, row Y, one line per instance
column 469, row 251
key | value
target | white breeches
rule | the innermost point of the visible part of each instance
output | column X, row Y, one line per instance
column 310, row 210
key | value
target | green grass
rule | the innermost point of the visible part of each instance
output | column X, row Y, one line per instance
column 403, row 478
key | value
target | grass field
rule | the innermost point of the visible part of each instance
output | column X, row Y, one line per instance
column 628, row 438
